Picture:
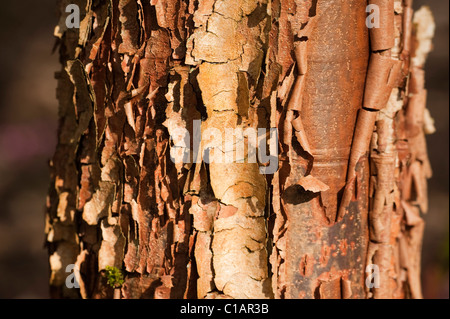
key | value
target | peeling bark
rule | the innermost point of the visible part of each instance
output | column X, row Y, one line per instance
column 349, row 105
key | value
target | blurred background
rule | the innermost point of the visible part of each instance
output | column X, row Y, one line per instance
column 28, row 123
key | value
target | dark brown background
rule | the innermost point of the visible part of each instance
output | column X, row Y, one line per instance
column 28, row 120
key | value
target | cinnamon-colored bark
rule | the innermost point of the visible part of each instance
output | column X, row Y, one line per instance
column 349, row 105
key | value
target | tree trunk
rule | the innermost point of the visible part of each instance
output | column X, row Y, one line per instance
column 144, row 212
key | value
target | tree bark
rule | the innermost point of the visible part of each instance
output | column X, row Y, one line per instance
column 349, row 106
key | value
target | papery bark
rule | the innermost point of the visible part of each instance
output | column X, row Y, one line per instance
column 349, row 107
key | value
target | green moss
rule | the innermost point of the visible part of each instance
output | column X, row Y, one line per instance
column 115, row 277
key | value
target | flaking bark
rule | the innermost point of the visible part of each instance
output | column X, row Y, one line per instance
column 349, row 105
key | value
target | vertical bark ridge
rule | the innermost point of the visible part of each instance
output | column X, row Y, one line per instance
column 317, row 257
column 229, row 45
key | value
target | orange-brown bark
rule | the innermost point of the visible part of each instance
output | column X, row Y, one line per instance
column 349, row 107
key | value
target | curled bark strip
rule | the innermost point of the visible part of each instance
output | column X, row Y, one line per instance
column 238, row 247
column 300, row 134
column 360, row 147
column 311, row 184
column 382, row 214
column 382, row 202
column 295, row 102
column 383, row 75
column 301, row 57
column 382, row 37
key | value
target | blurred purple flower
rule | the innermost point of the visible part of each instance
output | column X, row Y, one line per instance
column 22, row 143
